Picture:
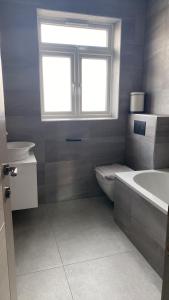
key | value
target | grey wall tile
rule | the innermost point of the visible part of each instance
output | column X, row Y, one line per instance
column 42, row 193
column 162, row 143
column 162, row 130
column 27, row 102
column 75, row 190
column 131, row 79
column 41, row 173
column 66, row 172
column 69, row 180
column 19, row 127
column 144, row 224
column 156, row 64
column 59, row 131
column 63, row 150
column 150, row 219
column 123, row 195
column 148, row 247
column 107, row 128
column 161, row 155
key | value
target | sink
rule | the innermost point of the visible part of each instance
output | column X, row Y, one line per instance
column 19, row 150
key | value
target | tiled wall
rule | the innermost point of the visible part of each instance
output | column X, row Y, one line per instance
column 143, row 223
column 152, row 150
column 65, row 170
column 161, row 154
column 156, row 79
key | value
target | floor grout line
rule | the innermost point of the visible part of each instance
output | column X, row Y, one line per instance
column 98, row 258
column 68, row 283
column 61, row 260
column 69, row 200
column 76, row 263
column 40, row 270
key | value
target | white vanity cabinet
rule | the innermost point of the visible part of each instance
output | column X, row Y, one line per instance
column 24, row 186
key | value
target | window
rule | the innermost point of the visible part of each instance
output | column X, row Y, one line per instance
column 76, row 66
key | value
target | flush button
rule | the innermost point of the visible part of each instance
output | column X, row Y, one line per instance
column 140, row 127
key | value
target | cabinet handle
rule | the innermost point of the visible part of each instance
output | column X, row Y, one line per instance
column 7, row 192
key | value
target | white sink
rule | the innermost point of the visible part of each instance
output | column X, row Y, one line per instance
column 19, row 150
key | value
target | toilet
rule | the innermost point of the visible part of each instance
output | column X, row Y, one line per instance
column 106, row 177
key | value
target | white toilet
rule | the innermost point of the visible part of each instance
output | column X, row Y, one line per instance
column 106, row 177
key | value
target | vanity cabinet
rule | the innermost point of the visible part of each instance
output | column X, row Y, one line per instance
column 24, row 193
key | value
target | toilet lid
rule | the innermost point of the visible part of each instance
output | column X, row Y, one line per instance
column 110, row 171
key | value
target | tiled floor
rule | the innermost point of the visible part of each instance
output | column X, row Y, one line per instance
column 74, row 250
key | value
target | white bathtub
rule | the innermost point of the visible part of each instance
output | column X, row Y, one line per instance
column 152, row 185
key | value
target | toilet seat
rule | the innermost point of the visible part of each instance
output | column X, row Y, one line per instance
column 106, row 177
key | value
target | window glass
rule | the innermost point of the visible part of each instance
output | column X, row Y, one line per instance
column 74, row 35
column 94, row 84
column 57, row 83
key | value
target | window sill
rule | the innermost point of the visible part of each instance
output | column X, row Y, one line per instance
column 77, row 119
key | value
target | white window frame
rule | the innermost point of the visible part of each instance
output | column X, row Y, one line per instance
column 77, row 53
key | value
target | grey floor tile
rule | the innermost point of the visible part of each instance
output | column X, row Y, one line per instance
column 36, row 249
column 44, row 285
column 85, row 229
column 120, row 277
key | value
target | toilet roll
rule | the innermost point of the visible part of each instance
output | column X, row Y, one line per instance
column 137, row 102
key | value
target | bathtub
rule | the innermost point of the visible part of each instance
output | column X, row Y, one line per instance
column 141, row 211
column 152, row 185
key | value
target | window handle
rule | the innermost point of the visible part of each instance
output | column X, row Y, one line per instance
column 73, row 88
column 79, row 89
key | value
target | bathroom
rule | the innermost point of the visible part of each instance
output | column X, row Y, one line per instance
column 90, row 212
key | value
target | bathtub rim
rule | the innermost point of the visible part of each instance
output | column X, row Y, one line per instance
column 128, row 179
